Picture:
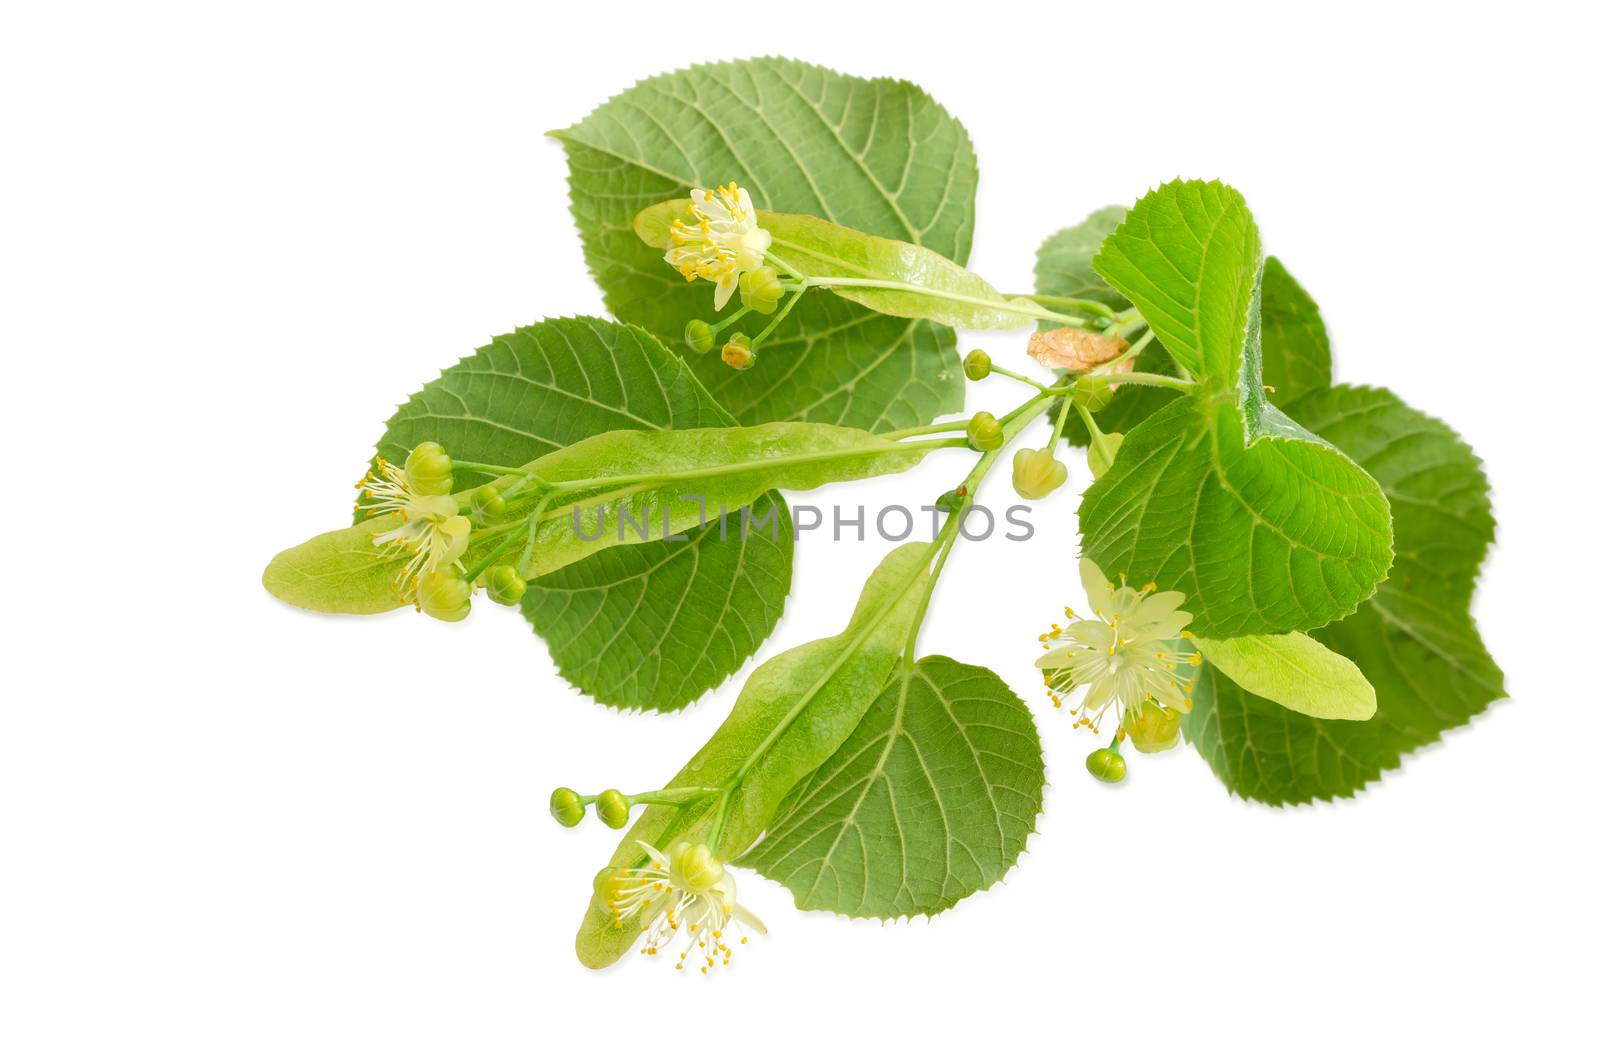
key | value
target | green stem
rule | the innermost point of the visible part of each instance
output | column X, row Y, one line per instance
column 675, row 797
column 1145, row 378
column 997, row 369
column 1071, row 302
column 924, row 430
column 716, row 329
column 1062, row 410
column 774, row 322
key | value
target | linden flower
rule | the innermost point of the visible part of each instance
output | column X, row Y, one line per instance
column 1130, row 653
column 432, row 529
column 721, row 239
column 685, row 890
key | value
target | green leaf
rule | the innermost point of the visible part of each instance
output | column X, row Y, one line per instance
column 1414, row 639
column 792, row 715
column 819, row 249
column 1295, row 355
column 652, row 626
column 1188, row 256
column 645, row 485
column 1064, row 265
column 1294, row 671
column 1264, row 526
column 929, row 800
column 877, row 155
column 548, row 386
column 1265, row 536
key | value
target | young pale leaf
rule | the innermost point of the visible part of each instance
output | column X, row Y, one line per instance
column 1414, row 639
column 929, row 800
column 1188, row 256
column 654, row 485
column 878, row 155
column 712, row 599
column 1294, row 671
column 791, row 717
column 817, row 248
column 1264, row 526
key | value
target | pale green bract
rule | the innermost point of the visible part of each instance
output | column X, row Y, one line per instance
column 1294, row 671
column 648, row 626
column 1262, row 525
column 1414, row 640
column 948, row 293
column 929, row 800
column 877, row 155
column 665, row 482
column 792, row 715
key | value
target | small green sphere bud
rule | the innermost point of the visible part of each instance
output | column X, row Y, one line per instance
column 504, row 584
column 984, row 432
column 1153, row 729
column 566, row 807
column 1036, row 474
column 976, row 365
column 1094, row 393
column 952, row 501
column 694, row 867
column 761, row 290
column 444, row 595
column 428, row 470
column 698, row 336
column 612, row 807
column 1107, row 765
column 737, row 353
column 487, row 505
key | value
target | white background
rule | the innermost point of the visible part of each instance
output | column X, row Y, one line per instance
column 234, row 237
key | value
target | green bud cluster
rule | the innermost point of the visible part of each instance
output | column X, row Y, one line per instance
column 699, row 336
column 504, row 584
column 566, row 806
column 1107, row 765
column 761, row 290
column 444, row 594
column 428, row 470
column 739, row 353
column 612, row 807
column 487, row 506
column 1035, row 474
column 984, row 432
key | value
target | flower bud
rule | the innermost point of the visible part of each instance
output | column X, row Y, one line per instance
column 760, row 289
column 612, row 808
column 487, row 506
column 694, row 867
column 566, row 807
column 976, row 365
column 1107, row 765
column 428, row 470
column 1153, row 729
column 1093, row 393
column 504, row 584
column 952, row 501
column 1036, row 474
column 984, row 432
column 443, row 594
column 737, row 353
column 698, row 336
